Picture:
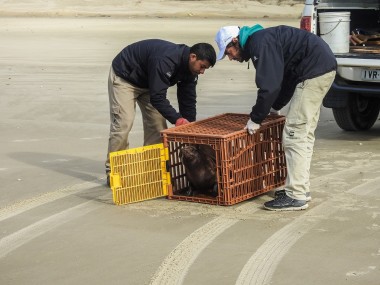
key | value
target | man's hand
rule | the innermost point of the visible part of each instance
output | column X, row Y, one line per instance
column 251, row 127
column 181, row 121
column 274, row 112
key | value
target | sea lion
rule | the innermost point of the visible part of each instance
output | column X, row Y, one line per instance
column 200, row 166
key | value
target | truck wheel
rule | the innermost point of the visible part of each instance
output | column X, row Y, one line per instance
column 360, row 113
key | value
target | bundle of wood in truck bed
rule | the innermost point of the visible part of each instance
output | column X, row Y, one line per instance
column 364, row 41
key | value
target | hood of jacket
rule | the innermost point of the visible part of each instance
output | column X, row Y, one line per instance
column 246, row 31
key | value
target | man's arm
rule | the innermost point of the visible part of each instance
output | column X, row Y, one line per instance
column 187, row 99
column 159, row 82
column 269, row 65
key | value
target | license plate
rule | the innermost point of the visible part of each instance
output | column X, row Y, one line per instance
column 371, row 74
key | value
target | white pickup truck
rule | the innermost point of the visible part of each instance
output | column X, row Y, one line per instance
column 355, row 94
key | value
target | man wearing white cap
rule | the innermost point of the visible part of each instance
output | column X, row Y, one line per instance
column 295, row 66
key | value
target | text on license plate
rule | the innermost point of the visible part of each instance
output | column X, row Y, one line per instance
column 371, row 74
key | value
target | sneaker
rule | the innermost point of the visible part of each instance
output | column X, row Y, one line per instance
column 282, row 192
column 285, row 203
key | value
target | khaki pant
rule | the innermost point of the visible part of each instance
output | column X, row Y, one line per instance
column 123, row 97
column 298, row 134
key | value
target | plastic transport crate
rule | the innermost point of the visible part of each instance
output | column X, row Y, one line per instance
column 247, row 165
column 139, row 174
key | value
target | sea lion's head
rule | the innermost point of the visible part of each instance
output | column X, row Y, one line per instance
column 190, row 154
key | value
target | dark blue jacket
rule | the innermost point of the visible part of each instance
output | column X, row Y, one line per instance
column 283, row 57
column 157, row 65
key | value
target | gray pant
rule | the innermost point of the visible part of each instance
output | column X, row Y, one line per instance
column 122, row 99
column 298, row 135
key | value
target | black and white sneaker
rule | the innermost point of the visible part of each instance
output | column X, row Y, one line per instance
column 282, row 192
column 285, row 203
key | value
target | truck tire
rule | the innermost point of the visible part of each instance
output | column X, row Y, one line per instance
column 359, row 115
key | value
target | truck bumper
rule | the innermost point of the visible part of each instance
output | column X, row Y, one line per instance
column 337, row 96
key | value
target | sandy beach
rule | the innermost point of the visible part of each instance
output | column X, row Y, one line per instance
column 58, row 224
column 242, row 9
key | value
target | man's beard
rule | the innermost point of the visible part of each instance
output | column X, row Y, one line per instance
column 244, row 56
column 241, row 56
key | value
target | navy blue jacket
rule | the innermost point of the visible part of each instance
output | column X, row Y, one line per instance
column 156, row 65
column 283, row 57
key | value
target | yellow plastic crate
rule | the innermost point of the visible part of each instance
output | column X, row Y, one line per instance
column 139, row 174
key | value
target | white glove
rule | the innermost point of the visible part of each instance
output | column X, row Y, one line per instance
column 274, row 112
column 251, row 127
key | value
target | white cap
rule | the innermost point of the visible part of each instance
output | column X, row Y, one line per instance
column 224, row 37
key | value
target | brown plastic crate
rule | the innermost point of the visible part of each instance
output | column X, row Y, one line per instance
column 247, row 165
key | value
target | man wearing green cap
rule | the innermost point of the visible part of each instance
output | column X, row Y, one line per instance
column 292, row 66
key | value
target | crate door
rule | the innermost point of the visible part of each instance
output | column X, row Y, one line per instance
column 139, row 174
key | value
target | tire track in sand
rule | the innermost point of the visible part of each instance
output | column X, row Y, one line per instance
column 262, row 264
column 19, row 238
column 175, row 266
column 25, row 205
